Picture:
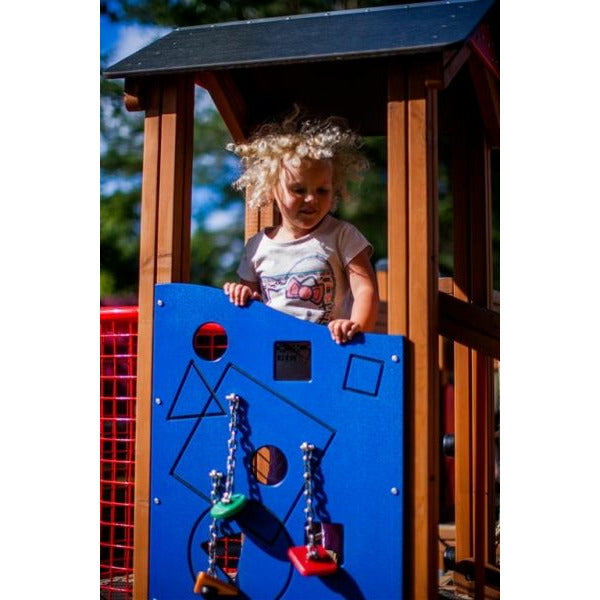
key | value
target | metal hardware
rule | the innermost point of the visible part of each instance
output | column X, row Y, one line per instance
column 215, row 490
column 448, row 444
column 230, row 504
column 234, row 402
column 307, row 450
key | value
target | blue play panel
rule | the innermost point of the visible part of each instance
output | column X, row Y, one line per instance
column 296, row 385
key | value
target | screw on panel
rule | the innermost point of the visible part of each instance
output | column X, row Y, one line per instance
column 156, row 500
column 158, row 401
column 160, row 303
column 395, row 358
column 395, row 491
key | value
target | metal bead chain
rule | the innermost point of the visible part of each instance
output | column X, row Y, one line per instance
column 234, row 401
column 215, row 491
column 307, row 450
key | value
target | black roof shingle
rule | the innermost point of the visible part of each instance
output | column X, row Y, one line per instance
column 337, row 35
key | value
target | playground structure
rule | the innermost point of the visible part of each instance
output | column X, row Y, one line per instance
column 118, row 357
column 409, row 72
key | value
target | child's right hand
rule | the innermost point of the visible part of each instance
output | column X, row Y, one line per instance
column 343, row 330
column 240, row 293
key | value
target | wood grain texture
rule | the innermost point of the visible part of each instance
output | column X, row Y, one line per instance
column 164, row 257
column 469, row 324
column 462, row 355
column 228, row 100
column 397, row 201
column 412, row 299
column 476, row 326
column 454, row 61
column 487, row 90
column 147, row 275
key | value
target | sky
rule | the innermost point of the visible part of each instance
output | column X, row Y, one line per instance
column 119, row 41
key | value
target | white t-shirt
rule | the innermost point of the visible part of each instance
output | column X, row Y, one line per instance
column 306, row 277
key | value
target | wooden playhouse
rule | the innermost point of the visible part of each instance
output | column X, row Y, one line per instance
column 410, row 72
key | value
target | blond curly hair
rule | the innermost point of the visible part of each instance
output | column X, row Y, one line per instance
column 292, row 141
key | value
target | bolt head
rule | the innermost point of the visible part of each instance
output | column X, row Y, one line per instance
column 156, row 500
column 395, row 358
column 157, row 401
column 395, row 491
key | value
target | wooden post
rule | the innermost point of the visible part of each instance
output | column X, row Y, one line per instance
column 463, row 476
column 473, row 379
column 481, row 294
column 412, row 300
column 164, row 257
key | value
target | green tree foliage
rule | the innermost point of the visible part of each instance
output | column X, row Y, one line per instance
column 120, row 167
column 119, row 241
column 181, row 13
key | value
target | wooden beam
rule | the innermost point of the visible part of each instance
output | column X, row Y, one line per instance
column 453, row 61
column 463, row 482
column 412, row 299
column 147, row 273
column 446, row 285
column 487, row 90
column 164, row 257
column 233, row 109
column 481, row 41
column 397, row 213
column 174, row 191
column 228, row 100
column 481, row 294
column 471, row 325
column 135, row 94
column 473, row 370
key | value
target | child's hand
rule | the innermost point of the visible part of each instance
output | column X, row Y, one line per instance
column 342, row 330
column 240, row 293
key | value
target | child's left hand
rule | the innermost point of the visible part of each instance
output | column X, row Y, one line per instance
column 342, row 330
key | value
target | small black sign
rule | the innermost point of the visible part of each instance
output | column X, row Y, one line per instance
column 292, row 361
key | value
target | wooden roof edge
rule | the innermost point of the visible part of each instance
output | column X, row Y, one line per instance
column 411, row 51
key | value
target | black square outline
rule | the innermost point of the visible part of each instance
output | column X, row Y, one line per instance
column 345, row 385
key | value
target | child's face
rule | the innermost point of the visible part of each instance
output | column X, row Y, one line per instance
column 304, row 195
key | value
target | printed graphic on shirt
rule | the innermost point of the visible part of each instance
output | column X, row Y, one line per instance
column 310, row 283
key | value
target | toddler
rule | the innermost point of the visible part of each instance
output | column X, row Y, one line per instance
column 312, row 266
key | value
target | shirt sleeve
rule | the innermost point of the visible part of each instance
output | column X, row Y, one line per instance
column 351, row 243
column 246, row 269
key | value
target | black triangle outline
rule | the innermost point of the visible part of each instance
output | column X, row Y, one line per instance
column 204, row 412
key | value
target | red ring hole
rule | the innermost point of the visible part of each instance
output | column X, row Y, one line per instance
column 210, row 341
